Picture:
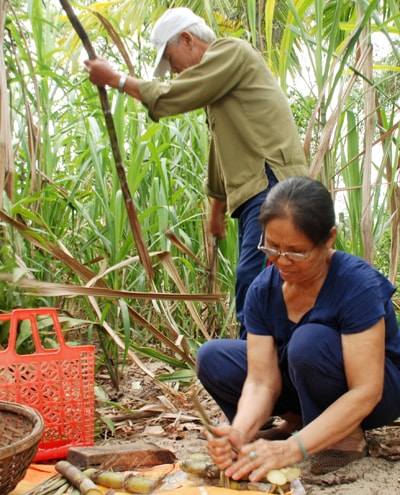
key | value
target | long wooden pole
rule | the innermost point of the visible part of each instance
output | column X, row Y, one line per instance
column 130, row 208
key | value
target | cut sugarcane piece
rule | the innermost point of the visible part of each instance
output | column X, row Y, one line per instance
column 277, row 477
column 110, row 479
column 292, row 473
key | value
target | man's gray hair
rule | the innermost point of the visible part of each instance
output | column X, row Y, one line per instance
column 200, row 30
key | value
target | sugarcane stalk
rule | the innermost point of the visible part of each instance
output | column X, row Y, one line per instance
column 205, row 419
column 212, row 275
column 130, row 208
column 64, row 489
column 77, row 479
column 49, row 486
column 208, row 426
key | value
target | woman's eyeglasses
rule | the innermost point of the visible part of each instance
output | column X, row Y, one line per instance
column 290, row 255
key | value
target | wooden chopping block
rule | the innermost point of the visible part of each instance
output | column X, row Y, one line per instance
column 120, row 457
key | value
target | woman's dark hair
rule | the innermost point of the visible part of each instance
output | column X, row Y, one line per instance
column 306, row 202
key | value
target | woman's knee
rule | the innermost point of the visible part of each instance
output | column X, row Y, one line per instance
column 314, row 345
column 207, row 355
column 221, row 360
column 315, row 362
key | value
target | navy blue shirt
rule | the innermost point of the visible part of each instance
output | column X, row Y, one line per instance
column 353, row 298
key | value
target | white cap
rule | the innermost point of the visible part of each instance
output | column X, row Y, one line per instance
column 172, row 22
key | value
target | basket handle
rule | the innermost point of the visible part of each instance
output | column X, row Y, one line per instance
column 31, row 314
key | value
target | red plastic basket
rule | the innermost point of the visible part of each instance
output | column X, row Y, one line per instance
column 58, row 383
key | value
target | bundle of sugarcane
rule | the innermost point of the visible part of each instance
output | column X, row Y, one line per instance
column 72, row 481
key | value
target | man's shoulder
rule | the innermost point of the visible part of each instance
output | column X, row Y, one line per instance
column 236, row 49
column 231, row 43
column 232, row 40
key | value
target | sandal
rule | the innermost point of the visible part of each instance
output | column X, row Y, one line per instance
column 350, row 449
column 332, row 459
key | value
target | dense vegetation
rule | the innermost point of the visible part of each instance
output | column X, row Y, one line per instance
column 66, row 238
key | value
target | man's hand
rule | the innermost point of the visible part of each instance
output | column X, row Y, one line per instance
column 217, row 219
column 101, row 73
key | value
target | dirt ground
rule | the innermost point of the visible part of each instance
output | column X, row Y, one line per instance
column 142, row 410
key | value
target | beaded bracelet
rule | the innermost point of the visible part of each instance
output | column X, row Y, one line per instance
column 122, row 82
column 300, row 443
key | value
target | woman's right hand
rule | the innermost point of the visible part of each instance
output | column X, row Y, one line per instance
column 224, row 445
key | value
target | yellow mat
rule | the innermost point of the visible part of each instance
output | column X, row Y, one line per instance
column 35, row 474
column 178, row 483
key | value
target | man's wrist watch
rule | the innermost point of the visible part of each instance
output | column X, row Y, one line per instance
column 122, row 82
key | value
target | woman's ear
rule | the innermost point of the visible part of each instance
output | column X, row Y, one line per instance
column 332, row 237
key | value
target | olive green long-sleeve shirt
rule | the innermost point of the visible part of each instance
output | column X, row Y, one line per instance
column 249, row 118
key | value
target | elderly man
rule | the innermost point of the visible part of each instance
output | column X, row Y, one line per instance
column 254, row 139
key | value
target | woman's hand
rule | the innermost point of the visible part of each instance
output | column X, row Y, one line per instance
column 257, row 458
column 224, row 445
column 253, row 460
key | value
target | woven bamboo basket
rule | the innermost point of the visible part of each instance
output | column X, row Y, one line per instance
column 21, row 429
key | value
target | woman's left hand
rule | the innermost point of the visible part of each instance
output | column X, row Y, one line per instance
column 257, row 458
